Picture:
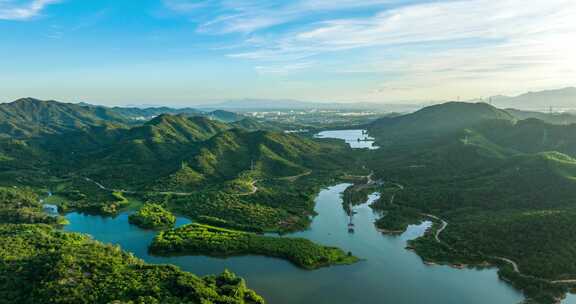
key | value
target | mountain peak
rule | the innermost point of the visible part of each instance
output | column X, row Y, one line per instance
column 438, row 119
column 28, row 100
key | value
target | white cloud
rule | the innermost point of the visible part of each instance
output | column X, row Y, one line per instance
column 247, row 16
column 442, row 49
column 284, row 68
column 426, row 23
column 22, row 10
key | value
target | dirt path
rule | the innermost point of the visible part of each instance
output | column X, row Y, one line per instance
column 509, row 261
column 253, row 191
column 294, row 177
column 444, row 225
column 99, row 185
column 564, row 282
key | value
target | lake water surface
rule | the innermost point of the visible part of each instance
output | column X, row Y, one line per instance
column 357, row 139
column 389, row 273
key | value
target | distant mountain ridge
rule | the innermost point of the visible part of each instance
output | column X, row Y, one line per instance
column 559, row 99
column 30, row 117
column 136, row 113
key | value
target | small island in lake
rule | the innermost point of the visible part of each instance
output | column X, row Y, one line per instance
column 152, row 216
column 197, row 239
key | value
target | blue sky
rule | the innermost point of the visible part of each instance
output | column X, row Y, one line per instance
column 183, row 52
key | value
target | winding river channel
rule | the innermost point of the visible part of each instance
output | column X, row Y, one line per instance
column 388, row 273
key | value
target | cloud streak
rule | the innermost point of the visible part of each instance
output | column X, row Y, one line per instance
column 435, row 47
column 23, row 10
column 249, row 16
column 428, row 23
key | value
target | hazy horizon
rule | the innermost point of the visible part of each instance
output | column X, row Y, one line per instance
column 225, row 103
column 182, row 52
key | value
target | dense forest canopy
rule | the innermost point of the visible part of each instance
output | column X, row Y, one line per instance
column 505, row 186
column 499, row 185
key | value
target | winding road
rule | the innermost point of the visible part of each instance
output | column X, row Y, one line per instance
column 294, row 177
column 254, row 189
column 444, row 225
column 99, row 185
column 252, row 183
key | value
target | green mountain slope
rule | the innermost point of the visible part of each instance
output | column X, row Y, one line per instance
column 241, row 156
column 177, row 129
column 562, row 118
column 504, row 187
column 144, row 114
column 179, row 152
column 435, row 121
column 255, row 125
column 29, row 117
column 160, row 138
column 268, row 153
column 225, row 116
column 163, row 138
column 531, row 136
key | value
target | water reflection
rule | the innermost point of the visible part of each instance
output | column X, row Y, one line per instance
column 388, row 274
column 357, row 139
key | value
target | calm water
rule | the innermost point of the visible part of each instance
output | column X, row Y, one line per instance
column 390, row 274
column 570, row 299
column 351, row 137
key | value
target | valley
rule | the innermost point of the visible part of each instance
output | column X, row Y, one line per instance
column 288, row 152
column 457, row 183
column 386, row 271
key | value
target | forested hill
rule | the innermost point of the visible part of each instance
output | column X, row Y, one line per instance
column 266, row 153
column 531, row 136
column 435, row 121
column 144, row 114
column 29, row 117
column 239, row 172
column 506, row 188
column 225, row 116
column 177, row 128
column 193, row 150
column 559, row 118
column 160, row 138
column 253, row 124
column 42, row 264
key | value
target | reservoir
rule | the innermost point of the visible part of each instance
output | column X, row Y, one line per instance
column 357, row 139
column 388, row 274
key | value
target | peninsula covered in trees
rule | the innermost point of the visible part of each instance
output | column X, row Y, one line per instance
column 198, row 239
column 43, row 265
